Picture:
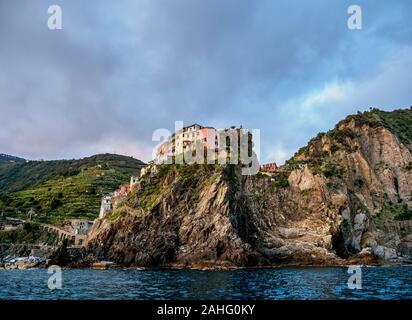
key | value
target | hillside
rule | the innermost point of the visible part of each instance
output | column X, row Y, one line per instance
column 5, row 158
column 62, row 189
column 345, row 198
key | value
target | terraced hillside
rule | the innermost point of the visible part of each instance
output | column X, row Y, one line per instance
column 62, row 189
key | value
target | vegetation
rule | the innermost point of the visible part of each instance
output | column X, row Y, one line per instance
column 398, row 122
column 341, row 137
column 7, row 159
column 281, row 179
column 333, row 185
column 306, row 192
column 30, row 233
column 331, row 170
column 184, row 178
column 404, row 213
column 282, row 183
column 359, row 182
column 391, row 212
column 19, row 176
column 73, row 188
column 115, row 215
column 232, row 176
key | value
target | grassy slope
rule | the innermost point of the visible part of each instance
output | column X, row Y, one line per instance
column 62, row 189
column 21, row 176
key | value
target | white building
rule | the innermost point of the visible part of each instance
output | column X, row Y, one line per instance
column 106, row 206
column 81, row 227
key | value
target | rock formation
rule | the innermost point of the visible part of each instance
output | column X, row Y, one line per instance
column 347, row 195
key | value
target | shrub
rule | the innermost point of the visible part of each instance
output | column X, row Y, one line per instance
column 359, row 182
column 55, row 203
column 404, row 213
column 331, row 170
column 335, row 148
column 281, row 183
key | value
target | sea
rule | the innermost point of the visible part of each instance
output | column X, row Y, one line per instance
column 297, row 283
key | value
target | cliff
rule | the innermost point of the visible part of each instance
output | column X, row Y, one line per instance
column 346, row 197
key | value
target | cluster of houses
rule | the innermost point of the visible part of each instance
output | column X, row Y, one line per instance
column 111, row 200
column 196, row 140
column 186, row 140
column 80, row 227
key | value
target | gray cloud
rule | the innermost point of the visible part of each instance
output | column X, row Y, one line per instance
column 119, row 70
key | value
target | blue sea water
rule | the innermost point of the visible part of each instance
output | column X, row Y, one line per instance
column 277, row 283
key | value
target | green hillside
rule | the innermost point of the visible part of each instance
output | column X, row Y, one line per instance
column 62, row 189
column 398, row 121
column 5, row 158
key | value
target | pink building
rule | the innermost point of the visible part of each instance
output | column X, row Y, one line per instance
column 269, row 167
column 187, row 140
column 209, row 137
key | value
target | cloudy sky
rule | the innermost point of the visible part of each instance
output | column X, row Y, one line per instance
column 118, row 70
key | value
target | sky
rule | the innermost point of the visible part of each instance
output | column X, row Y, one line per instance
column 119, row 70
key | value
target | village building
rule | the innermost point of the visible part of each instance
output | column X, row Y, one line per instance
column 10, row 224
column 110, row 201
column 269, row 167
column 187, row 140
column 195, row 137
column 123, row 190
column 106, row 206
column 80, row 227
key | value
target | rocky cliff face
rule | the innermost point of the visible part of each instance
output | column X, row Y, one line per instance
column 182, row 215
column 345, row 196
column 367, row 164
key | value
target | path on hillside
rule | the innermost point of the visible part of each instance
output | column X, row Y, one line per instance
column 77, row 239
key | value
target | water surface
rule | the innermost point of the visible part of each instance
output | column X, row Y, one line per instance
column 278, row 283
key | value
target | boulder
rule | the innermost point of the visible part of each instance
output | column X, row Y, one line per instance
column 384, row 253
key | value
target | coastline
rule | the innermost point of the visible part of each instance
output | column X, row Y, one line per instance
column 220, row 267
